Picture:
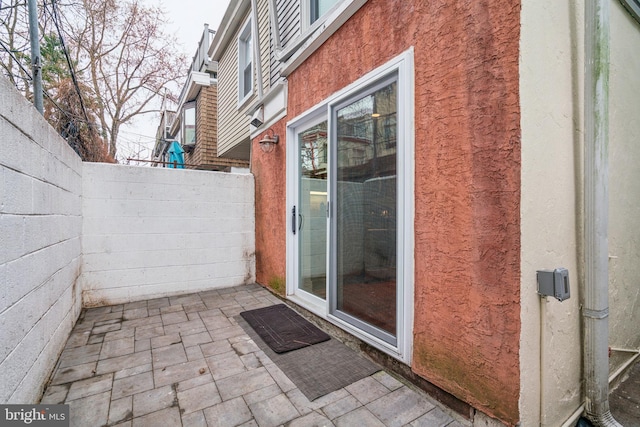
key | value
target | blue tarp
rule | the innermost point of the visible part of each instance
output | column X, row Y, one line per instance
column 176, row 156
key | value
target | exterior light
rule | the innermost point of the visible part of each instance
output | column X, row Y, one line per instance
column 268, row 143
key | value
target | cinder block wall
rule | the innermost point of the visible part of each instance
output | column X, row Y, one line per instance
column 148, row 232
column 153, row 232
column 40, row 251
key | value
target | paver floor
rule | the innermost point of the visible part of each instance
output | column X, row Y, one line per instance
column 625, row 399
column 184, row 361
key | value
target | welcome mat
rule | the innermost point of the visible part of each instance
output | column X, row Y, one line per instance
column 282, row 329
column 318, row 369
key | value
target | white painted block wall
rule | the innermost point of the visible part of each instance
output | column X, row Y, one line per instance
column 147, row 233
column 40, row 248
column 153, row 232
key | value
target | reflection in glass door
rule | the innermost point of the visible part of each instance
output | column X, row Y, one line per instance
column 312, row 216
column 364, row 250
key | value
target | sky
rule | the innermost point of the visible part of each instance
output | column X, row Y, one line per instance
column 187, row 23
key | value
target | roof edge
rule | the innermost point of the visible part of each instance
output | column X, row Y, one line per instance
column 233, row 18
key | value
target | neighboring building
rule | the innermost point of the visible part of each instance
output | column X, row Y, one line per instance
column 429, row 163
column 247, row 83
column 195, row 124
column 159, row 154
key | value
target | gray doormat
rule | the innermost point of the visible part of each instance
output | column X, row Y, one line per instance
column 319, row 369
column 282, row 329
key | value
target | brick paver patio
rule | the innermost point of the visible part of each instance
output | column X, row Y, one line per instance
column 185, row 361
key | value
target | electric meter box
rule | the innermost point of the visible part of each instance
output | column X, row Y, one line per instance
column 554, row 283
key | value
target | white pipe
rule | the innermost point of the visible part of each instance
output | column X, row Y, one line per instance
column 574, row 417
column 275, row 27
column 543, row 353
column 571, row 422
column 596, row 190
column 625, row 365
column 256, row 46
column 625, row 350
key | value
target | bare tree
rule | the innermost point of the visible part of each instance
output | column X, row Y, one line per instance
column 126, row 56
column 14, row 44
column 67, row 115
column 73, row 117
column 120, row 51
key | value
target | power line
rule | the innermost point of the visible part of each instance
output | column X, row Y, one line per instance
column 151, row 138
column 16, row 60
column 66, row 55
column 28, row 76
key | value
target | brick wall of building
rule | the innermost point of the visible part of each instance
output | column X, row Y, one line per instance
column 205, row 152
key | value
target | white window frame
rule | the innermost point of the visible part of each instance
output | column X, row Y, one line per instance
column 314, row 36
column 245, row 50
column 185, row 107
column 305, row 8
column 404, row 67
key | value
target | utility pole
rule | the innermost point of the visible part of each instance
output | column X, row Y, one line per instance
column 35, row 56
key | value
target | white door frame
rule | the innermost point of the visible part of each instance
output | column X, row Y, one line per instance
column 403, row 65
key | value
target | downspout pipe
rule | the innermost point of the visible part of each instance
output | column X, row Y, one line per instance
column 596, row 199
column 256, row 47
column 275, row 27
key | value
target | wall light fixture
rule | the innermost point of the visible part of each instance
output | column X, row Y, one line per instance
column 268, row 143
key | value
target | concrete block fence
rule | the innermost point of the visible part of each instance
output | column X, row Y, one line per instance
column 40, row 247
column 153, row 232
column 74, row 235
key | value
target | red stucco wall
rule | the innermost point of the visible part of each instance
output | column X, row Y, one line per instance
column 467, row 181
column 270, row 178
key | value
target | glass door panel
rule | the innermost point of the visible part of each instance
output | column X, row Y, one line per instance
column 365, row 212
column 312, row 220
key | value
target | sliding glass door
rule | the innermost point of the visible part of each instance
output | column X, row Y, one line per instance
column 363, row 284
column 311, row 219
column 350, row 205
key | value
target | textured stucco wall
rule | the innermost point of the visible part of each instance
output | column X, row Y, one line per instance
column 271, row 216
column 153, row 232
column 552, row 44
column 467, row 138
column 40, row 251
column 624, row 181
column 552, row 110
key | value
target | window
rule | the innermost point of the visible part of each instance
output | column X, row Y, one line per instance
column 189, row 124
column 245, row 63
column 316, row 9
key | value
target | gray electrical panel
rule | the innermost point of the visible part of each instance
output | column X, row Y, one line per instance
column 554, row 283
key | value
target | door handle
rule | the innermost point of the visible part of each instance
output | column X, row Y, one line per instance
column 294, row 217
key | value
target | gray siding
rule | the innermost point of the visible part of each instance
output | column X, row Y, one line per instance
column 233, row 125
column 264, row 30
column 289, row 13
